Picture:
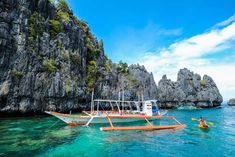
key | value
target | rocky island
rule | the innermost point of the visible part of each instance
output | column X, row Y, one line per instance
column 231, row 102
column 50, row 60
column 189, row 89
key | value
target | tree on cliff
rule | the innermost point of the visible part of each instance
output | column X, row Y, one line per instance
column 122, row 67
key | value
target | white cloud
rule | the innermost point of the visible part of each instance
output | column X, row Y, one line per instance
column 225, row 22
column 191, row 52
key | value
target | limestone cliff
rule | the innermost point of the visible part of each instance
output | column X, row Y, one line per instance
column 50, row 60
column 135, row 82
column 189, row 89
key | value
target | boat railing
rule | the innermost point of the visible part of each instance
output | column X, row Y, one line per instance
column 121, row 106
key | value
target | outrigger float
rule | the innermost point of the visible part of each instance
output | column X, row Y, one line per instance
column 120, row 112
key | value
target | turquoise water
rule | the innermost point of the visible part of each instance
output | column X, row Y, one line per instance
column 46, row 136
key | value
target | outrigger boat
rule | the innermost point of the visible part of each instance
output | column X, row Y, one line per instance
column 120, row 112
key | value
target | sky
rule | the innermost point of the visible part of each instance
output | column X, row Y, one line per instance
column 167, row 35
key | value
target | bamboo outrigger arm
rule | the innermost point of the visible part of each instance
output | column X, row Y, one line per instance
column 87, row 124
column 87, row 113
column 150, row 127
column 148, row 122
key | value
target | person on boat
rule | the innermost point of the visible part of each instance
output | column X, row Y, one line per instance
column 202, row 122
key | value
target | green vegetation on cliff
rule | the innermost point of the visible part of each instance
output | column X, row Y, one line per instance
column 75, row 58
column 122, row 67
column 81, row 23
column 36, row 26
column 49, row 65
column 132, row 80
column 16, row 74
column 94, row 48
column 92, row 75
column 202, row 82
column 63, row 6
column 65, row 56
column 67, row 87
column 108, row 65
column 63, row 11
column 63, row 15
column 55, row 28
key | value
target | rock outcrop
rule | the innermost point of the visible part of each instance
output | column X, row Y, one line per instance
column 49, row 60
column 135, row 83
column 189, row 89
column 231, row 102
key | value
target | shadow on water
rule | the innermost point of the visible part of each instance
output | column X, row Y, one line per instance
column 206, row 130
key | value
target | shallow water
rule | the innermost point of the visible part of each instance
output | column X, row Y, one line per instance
column 46, row 136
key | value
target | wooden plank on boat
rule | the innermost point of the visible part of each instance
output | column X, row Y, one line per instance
column 142, row 128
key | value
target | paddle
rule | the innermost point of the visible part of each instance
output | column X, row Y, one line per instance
column 211, row 123
column 194, row 119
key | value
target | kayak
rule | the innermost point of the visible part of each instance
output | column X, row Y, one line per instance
column 203, row 127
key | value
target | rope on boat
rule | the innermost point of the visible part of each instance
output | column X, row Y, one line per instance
column 54, row 123
column 176, row 120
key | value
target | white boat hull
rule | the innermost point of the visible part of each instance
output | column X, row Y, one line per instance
column 76, row 120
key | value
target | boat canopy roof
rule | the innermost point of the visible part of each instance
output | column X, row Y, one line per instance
column 124, row 101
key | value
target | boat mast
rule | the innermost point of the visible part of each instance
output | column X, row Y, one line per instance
column 119, row 96
column 92, row 101
column 142, row 96
column 98, row 106
column 123, row 98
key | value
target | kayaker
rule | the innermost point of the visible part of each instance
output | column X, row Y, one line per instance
column 202, row 122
